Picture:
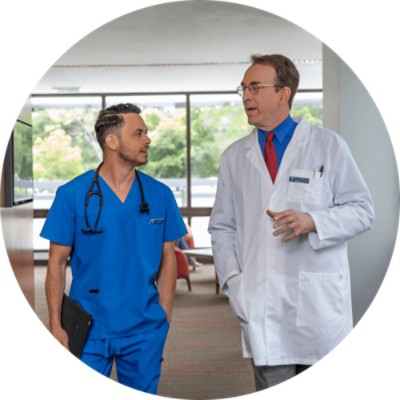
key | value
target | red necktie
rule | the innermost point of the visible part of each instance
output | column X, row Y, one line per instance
column 270, row 156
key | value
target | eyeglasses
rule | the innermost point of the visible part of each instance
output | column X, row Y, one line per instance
column 253, row 88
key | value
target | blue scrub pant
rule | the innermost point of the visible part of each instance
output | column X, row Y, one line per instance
column 137, row 358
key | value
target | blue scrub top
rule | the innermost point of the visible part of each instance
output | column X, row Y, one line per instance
column 113, row 272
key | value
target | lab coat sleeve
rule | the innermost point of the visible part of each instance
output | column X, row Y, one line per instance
column 352, row 212
column 222, row 228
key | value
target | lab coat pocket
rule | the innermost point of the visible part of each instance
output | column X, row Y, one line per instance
column 305, row 186
column 236, row 297
column 320, row 299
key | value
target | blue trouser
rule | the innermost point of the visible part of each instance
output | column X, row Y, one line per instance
column 137, row 358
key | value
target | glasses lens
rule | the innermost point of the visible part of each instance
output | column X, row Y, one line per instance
column 253, row 89
column 240, row 91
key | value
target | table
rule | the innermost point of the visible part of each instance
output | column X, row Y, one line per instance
column 203, row 252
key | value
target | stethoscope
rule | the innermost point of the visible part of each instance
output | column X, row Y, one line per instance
column 144, row 207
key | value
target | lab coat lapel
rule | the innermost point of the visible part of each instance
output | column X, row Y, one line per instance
column 254, row 155
column 294, row 147
column 252, row 147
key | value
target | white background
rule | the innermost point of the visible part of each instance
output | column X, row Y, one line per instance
column 364, row 34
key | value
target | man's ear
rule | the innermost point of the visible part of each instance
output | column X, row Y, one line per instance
column 111, row 141
column 285, row 95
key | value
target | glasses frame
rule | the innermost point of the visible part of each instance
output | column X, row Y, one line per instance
column 253, row 88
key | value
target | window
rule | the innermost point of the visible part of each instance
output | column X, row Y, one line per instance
column 22, row 162
column 199, row 227
column 64, row 145
column 165, row 117
column 64, row 142
column 309, row 106
column 216, row 122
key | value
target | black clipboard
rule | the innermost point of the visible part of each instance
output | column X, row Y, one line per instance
column 76, row 322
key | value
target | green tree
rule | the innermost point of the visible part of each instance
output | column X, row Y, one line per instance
column 152, row 119
column 55, row 158
column 204, row 149
column 311, row 112
column 77, row 123
column 167, row 155
column 214, row 128
column 23, row 157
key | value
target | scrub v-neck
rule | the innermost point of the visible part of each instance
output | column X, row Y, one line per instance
column 108, row 188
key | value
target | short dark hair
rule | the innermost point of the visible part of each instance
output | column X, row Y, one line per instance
column 110, row 119
column 286, row 72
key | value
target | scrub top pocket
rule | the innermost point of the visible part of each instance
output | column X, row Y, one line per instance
column 150, row 238
column 305, row 186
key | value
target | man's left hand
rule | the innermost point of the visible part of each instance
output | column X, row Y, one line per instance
column 295, row 222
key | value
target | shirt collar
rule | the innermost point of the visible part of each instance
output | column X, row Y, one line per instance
column 283, row 129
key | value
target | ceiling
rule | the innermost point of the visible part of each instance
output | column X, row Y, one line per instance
column 181, row 46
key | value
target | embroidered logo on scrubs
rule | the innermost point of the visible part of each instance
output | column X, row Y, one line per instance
column 156, row 221
column 297, row 179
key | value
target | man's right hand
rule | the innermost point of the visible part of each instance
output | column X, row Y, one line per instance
column 61, row 335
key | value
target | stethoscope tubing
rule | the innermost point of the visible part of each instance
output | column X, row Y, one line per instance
column 144, row 206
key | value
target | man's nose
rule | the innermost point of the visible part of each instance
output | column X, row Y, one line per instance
column 246, row 93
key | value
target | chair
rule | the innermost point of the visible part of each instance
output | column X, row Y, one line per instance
column 182, row 267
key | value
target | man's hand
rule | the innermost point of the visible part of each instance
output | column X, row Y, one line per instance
column 295, row 222
column 60, row 334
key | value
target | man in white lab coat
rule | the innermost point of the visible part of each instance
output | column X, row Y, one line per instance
column 287, row 203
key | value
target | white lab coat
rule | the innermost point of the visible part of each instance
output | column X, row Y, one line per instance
column 293, row 299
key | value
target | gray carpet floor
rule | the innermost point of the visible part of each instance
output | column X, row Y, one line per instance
column 202, row 357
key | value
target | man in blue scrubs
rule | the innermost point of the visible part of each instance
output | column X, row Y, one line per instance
column 121, row 250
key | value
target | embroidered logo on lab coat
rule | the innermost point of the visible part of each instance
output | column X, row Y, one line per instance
column 297, row 179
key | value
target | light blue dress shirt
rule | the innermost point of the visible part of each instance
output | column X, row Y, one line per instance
column 283, row 134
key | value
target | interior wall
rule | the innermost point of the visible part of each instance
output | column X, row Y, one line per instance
column 350, row 111
column 17, row 224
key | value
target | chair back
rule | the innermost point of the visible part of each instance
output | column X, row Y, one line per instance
column 182, row 264
column 182, row 267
